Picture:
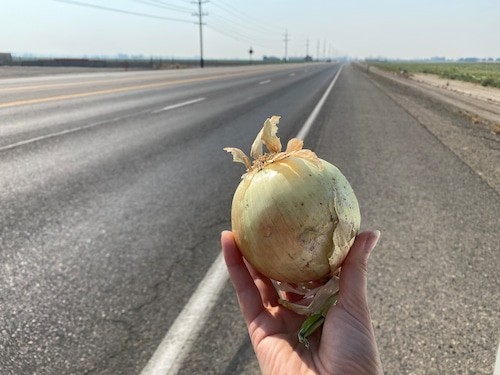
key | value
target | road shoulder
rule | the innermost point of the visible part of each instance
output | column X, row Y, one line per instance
column 457, row 120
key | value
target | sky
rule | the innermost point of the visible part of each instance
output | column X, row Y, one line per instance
column 279, row 28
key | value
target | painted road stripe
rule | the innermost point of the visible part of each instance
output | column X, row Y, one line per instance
column 121, row 89
column 98, row 81
column 177, row 343
column 173, row 349
column 168, row 108
column 69, row 131
column 312, row 117
column 76, row 83
column 95, row 124
column 264, row 82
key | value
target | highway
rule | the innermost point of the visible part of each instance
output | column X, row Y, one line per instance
column 114, row 188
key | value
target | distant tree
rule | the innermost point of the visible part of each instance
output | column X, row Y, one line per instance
column 468, row 59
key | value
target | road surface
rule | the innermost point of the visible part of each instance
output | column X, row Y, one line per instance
column 114, row 189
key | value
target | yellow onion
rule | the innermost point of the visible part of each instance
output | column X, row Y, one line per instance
column 294, row 217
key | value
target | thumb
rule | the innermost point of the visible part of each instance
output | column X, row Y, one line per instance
column 353, row 277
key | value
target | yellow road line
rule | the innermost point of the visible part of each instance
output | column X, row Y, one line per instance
column 79, row 83
column 97, row 81
column 66, row 84
column 121, row 89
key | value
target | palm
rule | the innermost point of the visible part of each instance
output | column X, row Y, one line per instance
column 345, row 345
column 276, row 344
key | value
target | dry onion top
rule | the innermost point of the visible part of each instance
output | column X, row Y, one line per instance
column 267, row 137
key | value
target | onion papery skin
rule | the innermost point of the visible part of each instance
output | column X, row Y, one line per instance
column 294, row 222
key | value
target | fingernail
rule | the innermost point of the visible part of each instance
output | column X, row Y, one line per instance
column 372, row 241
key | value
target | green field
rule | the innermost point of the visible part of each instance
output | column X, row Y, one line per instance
column 486, row 74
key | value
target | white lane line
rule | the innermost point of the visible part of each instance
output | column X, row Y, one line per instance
column 69, row 131
column 173, row 106
column 92, row 125
column 292, row 74
column 264, row 82
column 312, row 117
column 175, row 346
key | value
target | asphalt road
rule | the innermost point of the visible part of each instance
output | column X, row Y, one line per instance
column 114, row 189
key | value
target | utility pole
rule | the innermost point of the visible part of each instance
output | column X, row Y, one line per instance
column 317, row 51
column 200, row 14
column 307, row 49
column 286, row 44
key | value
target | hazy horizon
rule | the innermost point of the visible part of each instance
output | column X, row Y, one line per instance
column 320, row 28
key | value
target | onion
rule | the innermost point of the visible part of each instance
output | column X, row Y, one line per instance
column 294, row 217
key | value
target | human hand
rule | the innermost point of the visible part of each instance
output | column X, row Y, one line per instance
column 345, row 345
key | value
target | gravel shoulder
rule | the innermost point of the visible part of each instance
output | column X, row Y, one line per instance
column 465, row 117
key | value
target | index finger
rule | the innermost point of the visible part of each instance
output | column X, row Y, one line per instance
column 248, row 294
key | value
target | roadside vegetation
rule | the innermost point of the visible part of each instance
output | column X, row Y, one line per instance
column 486, row 74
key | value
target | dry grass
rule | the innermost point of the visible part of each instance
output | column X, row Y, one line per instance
column 476, row 119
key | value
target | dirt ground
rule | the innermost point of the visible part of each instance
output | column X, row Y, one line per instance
column 481, row 104
column 465, row 117
column 489, row 94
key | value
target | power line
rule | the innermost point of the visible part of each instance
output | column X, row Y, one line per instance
column 163, row 5
column 230, row 27
column 239, row 37
column 245, row 18
column 237, row 25
column 79, row 3
column 168, row 4
column 252, row 28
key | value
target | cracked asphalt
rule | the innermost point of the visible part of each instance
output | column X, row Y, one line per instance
column 111, row 209
column 112, row 206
